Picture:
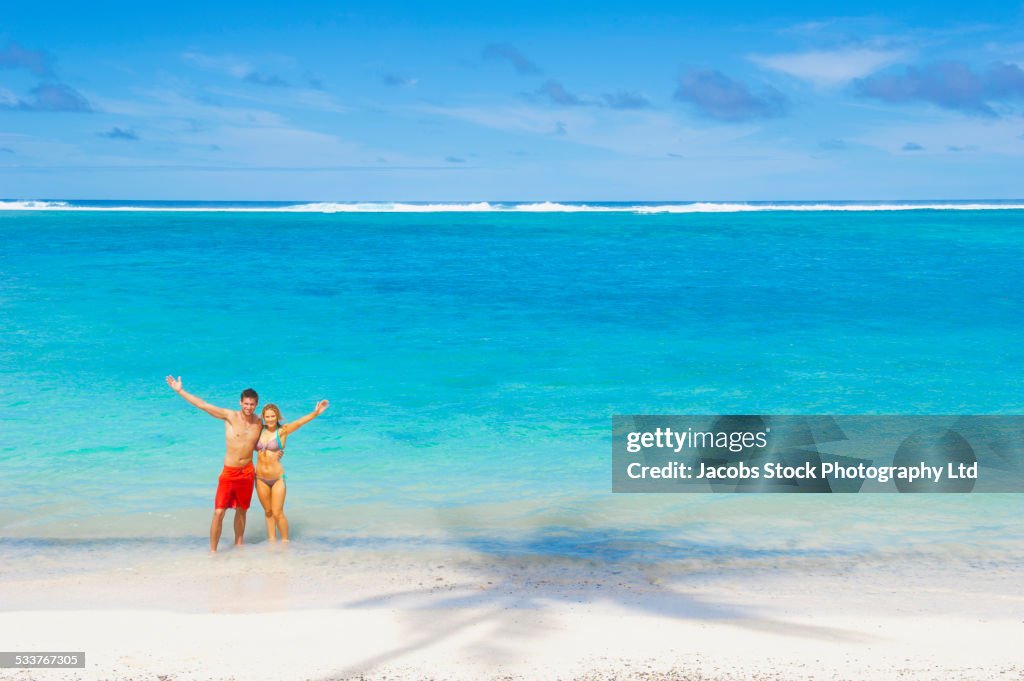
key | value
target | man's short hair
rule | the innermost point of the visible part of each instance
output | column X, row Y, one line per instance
column 249, row 392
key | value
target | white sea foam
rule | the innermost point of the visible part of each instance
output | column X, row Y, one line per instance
column 487, row 207
column 34, row 205
column 327, row 207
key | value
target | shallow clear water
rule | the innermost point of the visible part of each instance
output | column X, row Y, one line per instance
column 474, row 360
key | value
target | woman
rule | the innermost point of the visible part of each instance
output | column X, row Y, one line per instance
column 270, row 486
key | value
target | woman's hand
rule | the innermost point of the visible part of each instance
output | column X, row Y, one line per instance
column 320, row 407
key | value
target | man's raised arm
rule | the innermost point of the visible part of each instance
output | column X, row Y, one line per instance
column 216, row 412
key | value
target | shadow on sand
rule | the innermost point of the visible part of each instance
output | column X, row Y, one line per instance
column 557, row 566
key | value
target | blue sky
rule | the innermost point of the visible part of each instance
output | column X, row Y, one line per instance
column 532, row 101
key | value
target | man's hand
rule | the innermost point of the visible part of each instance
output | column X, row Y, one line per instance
column 216, row 412
column 321, row 407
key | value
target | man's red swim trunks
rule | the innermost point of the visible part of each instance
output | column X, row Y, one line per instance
column 234, row 487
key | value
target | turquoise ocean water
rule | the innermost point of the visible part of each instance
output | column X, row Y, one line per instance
column 474, row 358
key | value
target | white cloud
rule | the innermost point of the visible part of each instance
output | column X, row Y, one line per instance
column 830, row 68
column 233, row 66
column 7, row 98
column 996, row 137
column 169, row 104
column 507, row 118
column 635, row 133
column 294, row 98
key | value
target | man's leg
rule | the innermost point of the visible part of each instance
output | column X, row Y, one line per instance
column 215, row 528
column 239, row 525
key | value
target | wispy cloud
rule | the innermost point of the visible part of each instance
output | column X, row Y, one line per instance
column 557, row 94
column 48, row 97
column 625, row 100
column 519, row 61
column 829, row 68
column 233, row 66
column 8, row 100
column 716, row 95
column 199, row 112
column 950, row 85
column 14, row 56
column 120, row 134
column 644, row 133
column 995, row 136
column 833, row 145
column 518, row 119
column 279, row 98
column 849, row 30
column 230, row 65
column 264, row 79
column 225, row 102
column 454, row 159
column 241, row 135
column 554, row 92
column 804, row 27
column 395, row 80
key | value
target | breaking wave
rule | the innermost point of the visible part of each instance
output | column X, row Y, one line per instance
column 489, row 207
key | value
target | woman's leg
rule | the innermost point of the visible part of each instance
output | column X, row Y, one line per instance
column 277, row 495
column 263, row 491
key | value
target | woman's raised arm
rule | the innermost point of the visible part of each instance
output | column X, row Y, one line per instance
column 321, row 406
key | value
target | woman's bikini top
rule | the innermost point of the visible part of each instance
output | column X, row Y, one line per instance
column 273, row 445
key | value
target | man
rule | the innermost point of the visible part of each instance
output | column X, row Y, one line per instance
column 234, row 487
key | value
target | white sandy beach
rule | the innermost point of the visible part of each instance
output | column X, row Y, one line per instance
column 240, row 616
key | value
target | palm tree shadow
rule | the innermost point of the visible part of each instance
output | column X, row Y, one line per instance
column 553, row 566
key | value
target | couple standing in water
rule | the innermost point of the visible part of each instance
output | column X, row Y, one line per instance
column 246, row 434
